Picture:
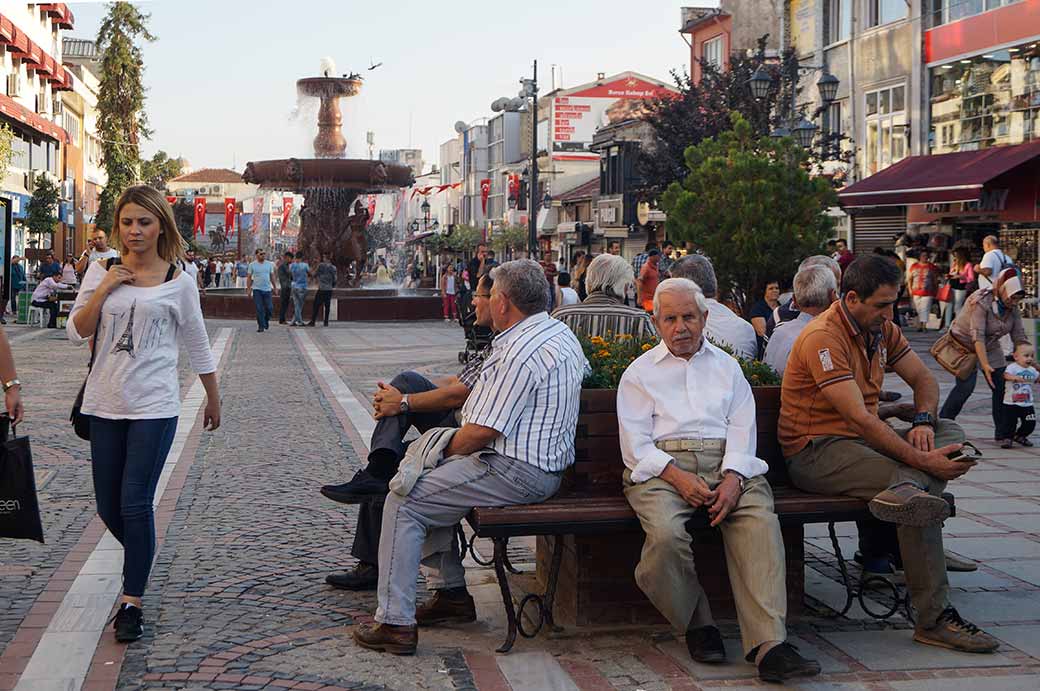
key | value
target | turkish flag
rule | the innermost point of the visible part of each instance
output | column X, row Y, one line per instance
column 485, row 190
column 200, row 216
column 229, row 216
column 287, row 205
column 371, row 207
column 171, row 199
column 258, row 210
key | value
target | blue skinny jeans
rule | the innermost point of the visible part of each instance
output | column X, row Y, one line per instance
column 127, row 458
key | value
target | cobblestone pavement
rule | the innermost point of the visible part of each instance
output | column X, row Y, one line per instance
column 237, row 598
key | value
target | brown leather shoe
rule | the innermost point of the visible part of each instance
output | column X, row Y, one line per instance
column 950, row 631
column 386, row 638
column 905, row 504
column 444, row 610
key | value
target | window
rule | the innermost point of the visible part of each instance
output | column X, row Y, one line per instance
column 838, row 21
column 885, row 113
column 73, row 126
column 832, row 124
column 946, row 11
column 711, row 51
column 884, row 11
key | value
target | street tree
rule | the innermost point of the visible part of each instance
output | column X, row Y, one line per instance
column 749, row 202
column 122, row 121
column 184, row 215
column 159, row 169
column 40, row 216
column 6, row 149
column 508, row 240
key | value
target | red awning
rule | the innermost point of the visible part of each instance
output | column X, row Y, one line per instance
column 59, row 13
column 13, row 109
column 6, row 29
column 19, row 41
column 942, row 178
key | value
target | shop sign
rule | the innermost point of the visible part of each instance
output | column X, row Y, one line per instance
column 991, row 201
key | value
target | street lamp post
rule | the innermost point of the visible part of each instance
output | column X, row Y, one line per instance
column 800, row 128
column 528, row 98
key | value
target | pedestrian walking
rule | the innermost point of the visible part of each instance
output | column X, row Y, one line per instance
column 258, row 284
column 97, row 248
column 241, row 272
column 300, row 270
column 17, row 282
column 994, row 261
column 448, row 289
column 961, row 279
column 326, row 275
column 211, row 271
column 229, row 270
column 988, row 316
column 218, row 271
column 924, row 285
column 284, row 285
column 1019, row 413
column 138, row 312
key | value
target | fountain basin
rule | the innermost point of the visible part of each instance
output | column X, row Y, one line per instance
column 328, row 87
column 304, row 174
column 375, row 304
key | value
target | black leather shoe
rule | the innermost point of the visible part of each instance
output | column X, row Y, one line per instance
column 783, row 662
column 361, row 577
column 362, row 487
column 705, row 645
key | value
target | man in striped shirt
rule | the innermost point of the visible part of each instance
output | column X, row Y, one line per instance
column 516, row 440
column 410, row 400
column 603, row 313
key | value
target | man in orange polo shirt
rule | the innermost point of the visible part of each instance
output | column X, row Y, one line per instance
column 836, row 444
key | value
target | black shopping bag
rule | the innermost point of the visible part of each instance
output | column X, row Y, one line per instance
column 19, row 509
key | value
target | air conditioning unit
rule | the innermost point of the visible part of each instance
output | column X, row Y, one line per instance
column 14, row 85
column 30, row 181
column 68, row 190
column 59, row 107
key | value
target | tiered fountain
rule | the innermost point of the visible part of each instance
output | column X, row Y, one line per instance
column 332, row 218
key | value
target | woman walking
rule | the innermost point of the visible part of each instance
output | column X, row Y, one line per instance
column 136, row 313
column 17, row 283
column 448, row 288
column 988, row 316
column 961, row 278
column 924, row 286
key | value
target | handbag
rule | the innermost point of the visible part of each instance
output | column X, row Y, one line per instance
column 945, row 293
column 81, row 422
column 19, row 507
column 953, row 356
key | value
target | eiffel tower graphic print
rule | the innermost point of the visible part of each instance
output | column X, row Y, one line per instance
column 126, row 341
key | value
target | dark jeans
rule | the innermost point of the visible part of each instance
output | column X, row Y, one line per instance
column 14, row 302
column 386, row 451
column 52, row 307
column 127, row 457
column 963, row 389
column 285, row 298
column 323, row 298
column 264, row 307
column 1019, row 421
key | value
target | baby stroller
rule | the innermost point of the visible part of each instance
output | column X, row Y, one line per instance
column 477, row 337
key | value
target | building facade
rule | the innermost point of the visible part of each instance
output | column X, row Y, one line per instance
column 713, row 36
column 413, row 158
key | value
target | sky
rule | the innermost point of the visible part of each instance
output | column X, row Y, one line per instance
column 221, row 74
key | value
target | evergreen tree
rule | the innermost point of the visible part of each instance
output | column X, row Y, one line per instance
column 159, row 169
column 39, row 212
column 122, row 121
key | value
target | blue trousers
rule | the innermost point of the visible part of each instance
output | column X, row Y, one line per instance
column 127, row 458
column 264, row 307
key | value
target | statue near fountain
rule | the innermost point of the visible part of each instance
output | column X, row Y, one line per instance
column 329, row 183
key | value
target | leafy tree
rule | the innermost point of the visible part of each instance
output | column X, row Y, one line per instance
column 159, row 169
column 749, row 202
column 510, row 239
column 6, row 149
column 40, row 214
column 379, row 234
column 184, row 215
column 122, row 121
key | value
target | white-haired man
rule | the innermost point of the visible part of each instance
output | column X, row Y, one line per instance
column 815, row 289
column 603, row 313
column 688, row 439
column 516, row 439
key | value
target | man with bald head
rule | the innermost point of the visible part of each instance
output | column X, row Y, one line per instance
column 686, row 417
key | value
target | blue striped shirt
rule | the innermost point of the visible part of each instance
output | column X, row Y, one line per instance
column 529, row 390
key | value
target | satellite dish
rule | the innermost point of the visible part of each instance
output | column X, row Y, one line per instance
column 499, row 104
column 460, row 126
column 515, row 104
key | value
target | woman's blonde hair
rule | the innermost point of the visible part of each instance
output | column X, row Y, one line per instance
column 171, row 245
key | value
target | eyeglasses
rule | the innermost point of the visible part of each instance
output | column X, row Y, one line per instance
column 482, row 295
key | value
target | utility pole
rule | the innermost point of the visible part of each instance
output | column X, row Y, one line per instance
column 532, row 203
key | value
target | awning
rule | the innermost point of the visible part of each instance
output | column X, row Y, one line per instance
column 15, row 110
column 942, row 178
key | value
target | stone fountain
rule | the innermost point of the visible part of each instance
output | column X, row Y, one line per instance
column 332, row 218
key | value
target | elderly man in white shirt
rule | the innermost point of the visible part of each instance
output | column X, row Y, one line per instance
column 815, row 289
column 724, row 327
column 688, row 439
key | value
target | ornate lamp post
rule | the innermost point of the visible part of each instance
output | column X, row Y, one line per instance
column 800, row 128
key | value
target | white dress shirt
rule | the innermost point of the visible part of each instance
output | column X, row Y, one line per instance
column 666, row 397
column 726, row 328
column 782, row 340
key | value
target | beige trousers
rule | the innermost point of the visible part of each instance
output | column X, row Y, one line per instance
column 754, row 553
column 839, row 465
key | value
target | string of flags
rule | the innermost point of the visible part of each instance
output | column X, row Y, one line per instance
column 434, row 189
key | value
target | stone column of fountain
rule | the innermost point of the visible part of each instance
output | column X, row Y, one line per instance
column 329, row 183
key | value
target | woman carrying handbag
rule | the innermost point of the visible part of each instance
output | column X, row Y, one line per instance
column 138, row 311
column 988, row 316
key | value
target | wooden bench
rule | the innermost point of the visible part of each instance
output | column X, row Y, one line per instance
column 590, row 533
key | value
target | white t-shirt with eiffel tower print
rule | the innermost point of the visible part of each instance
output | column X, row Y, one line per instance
column 135, row 368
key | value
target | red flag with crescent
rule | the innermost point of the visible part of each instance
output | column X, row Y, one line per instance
column 170, row 199
column 287, row 205
column 258, row 210
column 485, row 190
column 200, row 216
column 371, row 207
column 229, row 216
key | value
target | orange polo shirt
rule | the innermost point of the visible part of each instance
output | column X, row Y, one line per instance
column 832, row 349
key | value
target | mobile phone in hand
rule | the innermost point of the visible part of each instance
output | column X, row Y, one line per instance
column 967, row 453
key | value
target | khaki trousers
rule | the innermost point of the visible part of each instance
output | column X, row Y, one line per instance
column 839, row 465
column 754, row 553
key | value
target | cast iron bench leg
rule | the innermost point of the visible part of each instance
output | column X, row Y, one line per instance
column 545, row 600
column 858, row 591
column 507, row 597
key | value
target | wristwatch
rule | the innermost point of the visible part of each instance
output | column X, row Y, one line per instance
column 740, row 479
column 405, row 407
column 8, row 385
column 924, row 418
